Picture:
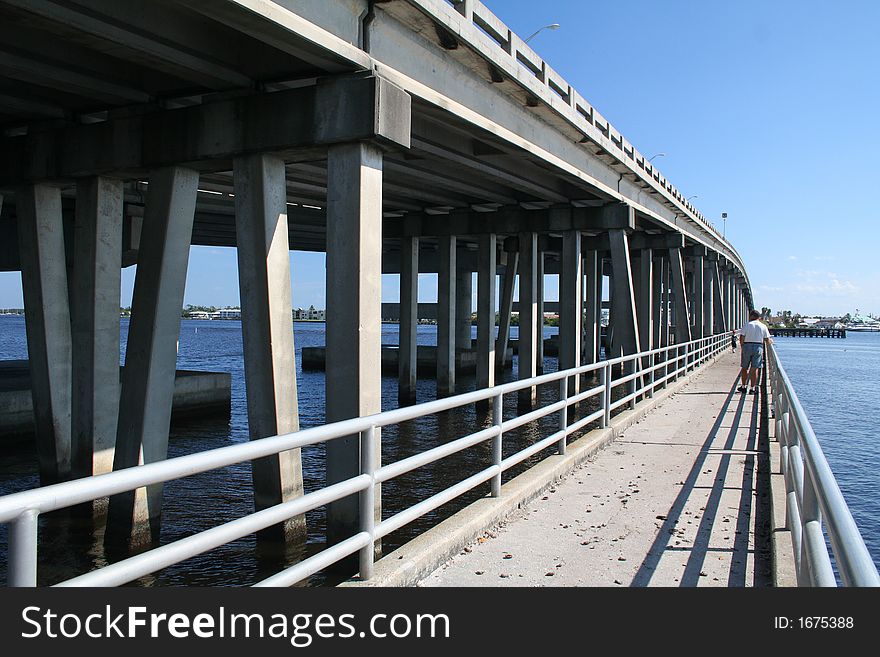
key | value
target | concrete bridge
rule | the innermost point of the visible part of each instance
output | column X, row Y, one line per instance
column 398, row 136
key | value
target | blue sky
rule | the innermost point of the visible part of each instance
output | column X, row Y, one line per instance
column 765, row 110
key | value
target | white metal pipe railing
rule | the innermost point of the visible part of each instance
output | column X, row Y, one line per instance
column 815, row 507
column 22, row 510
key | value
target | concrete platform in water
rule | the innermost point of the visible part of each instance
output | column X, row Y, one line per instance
column 195, row 393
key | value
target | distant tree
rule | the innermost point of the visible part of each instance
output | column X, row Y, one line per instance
column 765, row 313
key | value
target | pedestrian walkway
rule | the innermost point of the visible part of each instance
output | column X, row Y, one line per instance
column 673, row 502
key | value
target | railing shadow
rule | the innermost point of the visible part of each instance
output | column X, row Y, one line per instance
column 702, row 541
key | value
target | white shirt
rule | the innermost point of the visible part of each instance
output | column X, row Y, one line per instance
column 755, row 332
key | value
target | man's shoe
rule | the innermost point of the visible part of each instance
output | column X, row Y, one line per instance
column 741, row 389
column 754, row 391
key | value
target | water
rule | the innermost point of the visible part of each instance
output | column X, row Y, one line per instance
column 206, row 500
column 837, row 382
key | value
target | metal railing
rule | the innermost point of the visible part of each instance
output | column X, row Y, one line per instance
column 641, row 373
column 813, row 498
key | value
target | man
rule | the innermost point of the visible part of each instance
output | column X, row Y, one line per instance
column 752, row 338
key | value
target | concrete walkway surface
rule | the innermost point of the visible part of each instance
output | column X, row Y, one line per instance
column 674, row 502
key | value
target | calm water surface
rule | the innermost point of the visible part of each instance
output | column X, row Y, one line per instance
column 208, row 499
column 838, row 384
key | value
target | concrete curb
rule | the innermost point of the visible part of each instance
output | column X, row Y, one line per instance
column 412, row 562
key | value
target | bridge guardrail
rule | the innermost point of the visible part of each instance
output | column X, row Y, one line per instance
column 813, row 496
column 642, row 374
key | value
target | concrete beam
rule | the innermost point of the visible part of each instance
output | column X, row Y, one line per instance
column 95, row 325
column 207, row 137
column 504, row 313
column 592, row 303
column 464, row 302
column 47, row 324
column 267, row 335
column 151, row 355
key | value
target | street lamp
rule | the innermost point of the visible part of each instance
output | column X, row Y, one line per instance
column 724, row 218
column 690, row 197
column 657, row 155
column 552, row 26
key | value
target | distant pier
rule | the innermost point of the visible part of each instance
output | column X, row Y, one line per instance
column 808, row 332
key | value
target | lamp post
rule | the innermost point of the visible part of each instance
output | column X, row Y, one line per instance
column 690, row 197
column 657, row 155
column 552, row 26
column 724, row 219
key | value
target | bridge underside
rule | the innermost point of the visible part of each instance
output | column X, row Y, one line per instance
column 378, row 133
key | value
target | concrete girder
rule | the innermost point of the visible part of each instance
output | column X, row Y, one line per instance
column 528, row 314
column 409, row 303
column 486, row 311
column 504, row 313
column 571, row 305
column 446, row 313
column 208, row 136
column 623, row 302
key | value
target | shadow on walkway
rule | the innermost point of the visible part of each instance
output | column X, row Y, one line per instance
column 736, row 434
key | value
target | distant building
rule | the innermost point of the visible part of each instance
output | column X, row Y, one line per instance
column 199, row 314
column 309, row 314
column 829, row 323
column 227, row 313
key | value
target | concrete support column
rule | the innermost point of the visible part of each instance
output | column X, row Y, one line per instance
column 697, row 319
column 354, row 309
column 571, row 305
column 644, row 276
column 718, row 299
column 446, row 307
column 539, row 297
column 95, row 325
column 409, row 311
column 47, row 324
column 506, row 309
column 626, row 332
column 464, row 303
column 528, row 313
column 682, row 321
column 592, row 306
column 151, row 354
column 708, row 303
column 486, row 311
column 261, row 230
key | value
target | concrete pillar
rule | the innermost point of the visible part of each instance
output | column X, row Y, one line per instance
column 708, row 304
column 446, row 302
column 623, row 299
column 698, row 308
column 261, row 230
column 95, row 325
column 539, row 296
column 592, row 305
column 151, row 354
column 644, row 277
column 486, row 312
column 409, row 311
column 354, row 309
column 528, row 313
column 571, row 305
column 682, row 320
column 505, row 311
column 464, row 303
column 718, row 298
column 47, row 324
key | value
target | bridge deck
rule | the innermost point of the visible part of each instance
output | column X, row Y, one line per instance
column 679, row 500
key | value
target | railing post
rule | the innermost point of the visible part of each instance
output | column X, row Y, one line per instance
column 820, row 572
column 497, row 419
column 563, row 414
column 651, row 364
column 23, row 549
column 605, row 379
column 368, row 501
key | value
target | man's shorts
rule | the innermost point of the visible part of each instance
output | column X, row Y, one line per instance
column 752, row 355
